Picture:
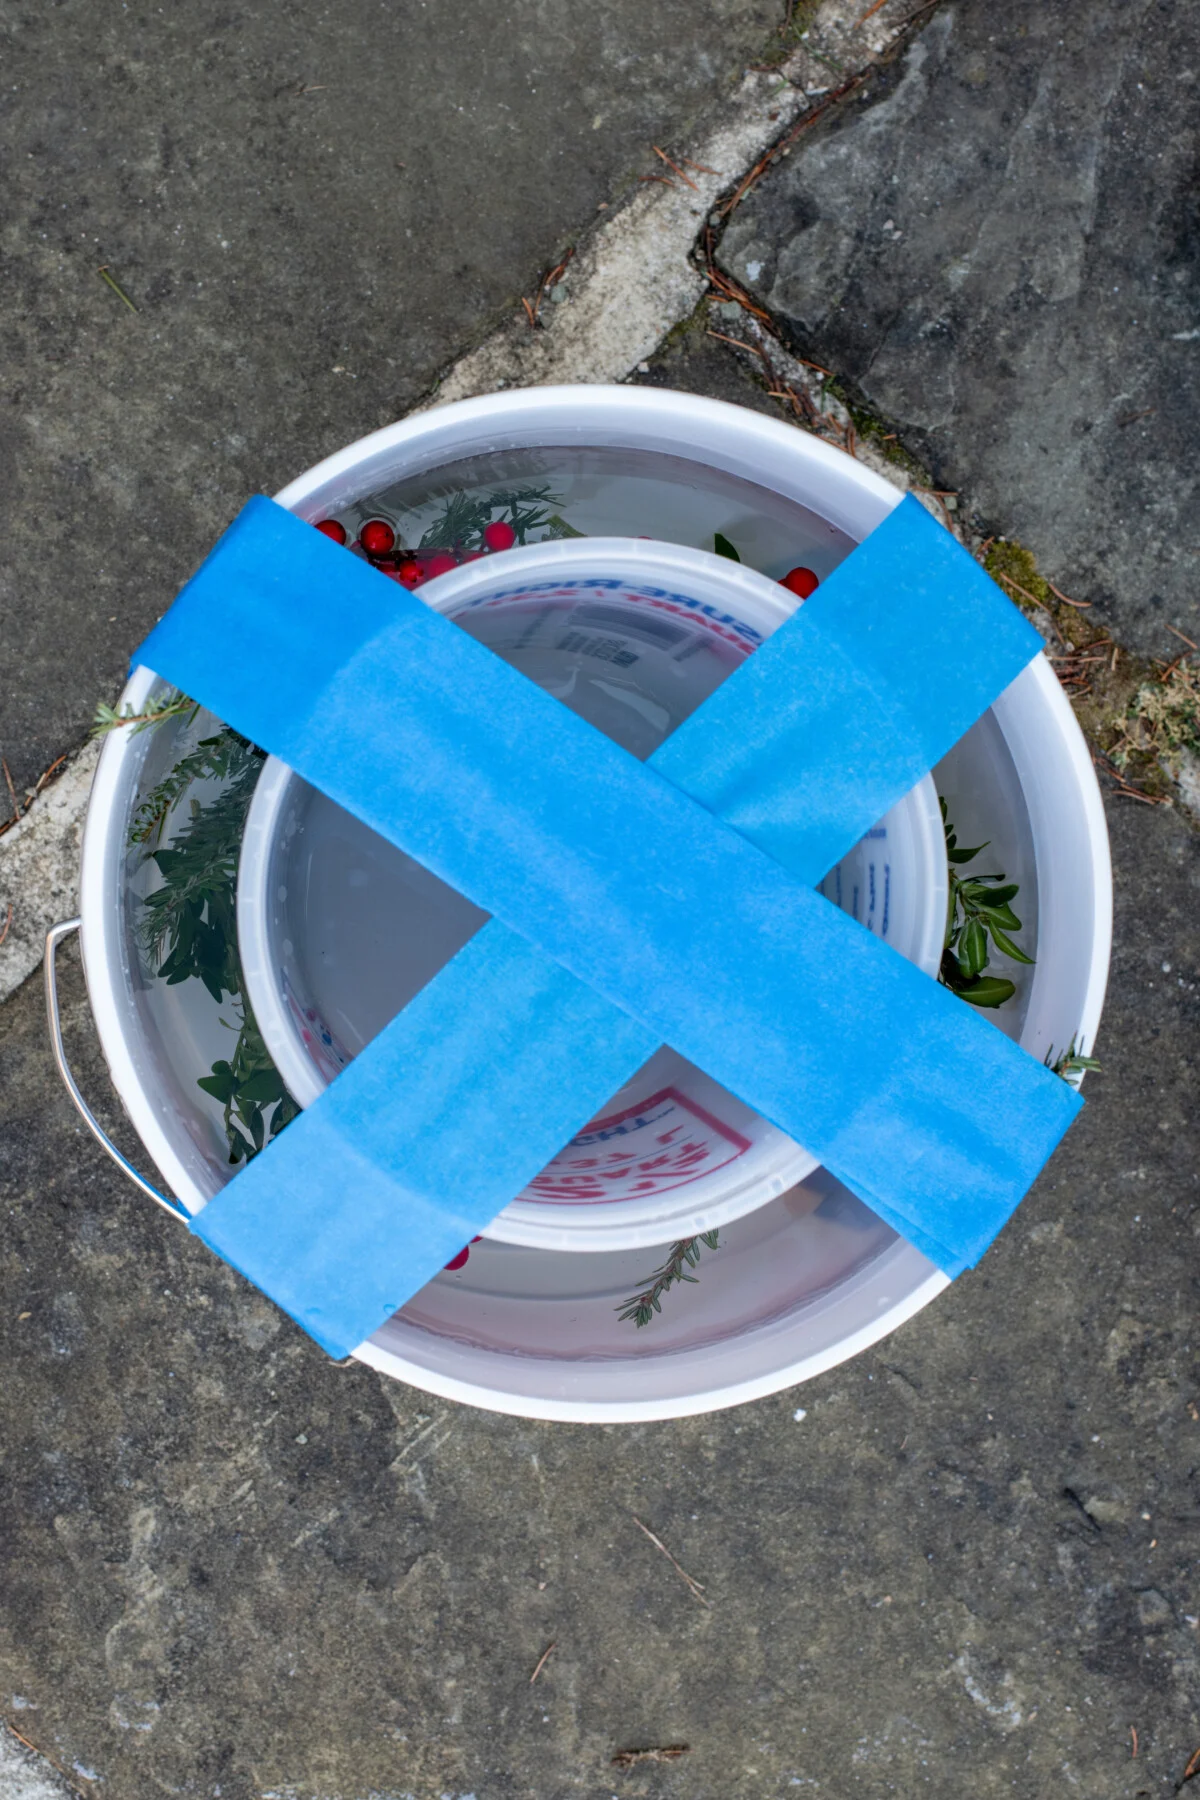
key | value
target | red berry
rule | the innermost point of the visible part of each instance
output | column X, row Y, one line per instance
column 410, row 572
column 377, row 537
column 440, row 564
column 499, row 535
column 801, row 582
column 457, row 1262
column 331, row 529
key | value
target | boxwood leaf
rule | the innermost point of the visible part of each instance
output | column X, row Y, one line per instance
column 989, row 990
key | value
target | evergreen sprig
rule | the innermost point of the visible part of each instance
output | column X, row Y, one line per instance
column 214, row 759
column 685, row 1254
column 461, row 522
column 248, row 1085
column 188, row 927
column 979, row 909
column 171, row 705
column 1071, row 1062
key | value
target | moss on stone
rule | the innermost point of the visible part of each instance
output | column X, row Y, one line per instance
column 1143, row 719
column 785, row 38
column 1015, row 569
column 1010, row 563
column 688, row 334
column 875, row 430
column 1161, row 720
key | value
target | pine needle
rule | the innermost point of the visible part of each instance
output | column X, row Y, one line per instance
column 657, row 1753
column 685, row 1254
column 695, row 1588
column 116, row 287
column 676, row 167
column 159, row 708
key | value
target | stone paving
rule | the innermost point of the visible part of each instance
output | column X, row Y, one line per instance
column 996, row 246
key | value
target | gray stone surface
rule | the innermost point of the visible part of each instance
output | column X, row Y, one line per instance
column 997, row 246
column 692, row 362
column 969, row 1568
column 24, row 1775
column 238, row 169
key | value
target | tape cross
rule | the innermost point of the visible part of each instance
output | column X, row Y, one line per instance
column 633, row 904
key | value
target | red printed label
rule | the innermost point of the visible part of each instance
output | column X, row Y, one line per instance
column 665, row 1142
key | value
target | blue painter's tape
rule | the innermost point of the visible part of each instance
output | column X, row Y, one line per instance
column 620, row 878
column 373, row 1189
column 801, row 749
column 855, row 698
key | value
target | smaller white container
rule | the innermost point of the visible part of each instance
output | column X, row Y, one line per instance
column 338, row 929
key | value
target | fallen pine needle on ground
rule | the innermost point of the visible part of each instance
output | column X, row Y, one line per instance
column 695, row 1588
column 625, row 1759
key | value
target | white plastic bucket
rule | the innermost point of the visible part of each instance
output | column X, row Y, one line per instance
column 811, row 1278
column 338, row 929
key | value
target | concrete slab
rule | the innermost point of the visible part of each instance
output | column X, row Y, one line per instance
column 962, row 1564
column 39, row 868
column 995, row 245
column 313, row 210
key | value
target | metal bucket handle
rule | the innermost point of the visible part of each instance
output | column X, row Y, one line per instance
column 54, row 938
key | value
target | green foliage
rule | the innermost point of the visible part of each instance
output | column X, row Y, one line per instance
column 214, row 759
column 979, row 915
column 188, row 925
column 171, row 705
column 685, row 1254
column 1071, row 1062
column 460, row 525
column 248, row 1086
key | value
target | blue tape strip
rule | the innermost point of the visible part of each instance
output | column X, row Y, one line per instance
column 266, row 582
column 855, row 698
column 373, row 1189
